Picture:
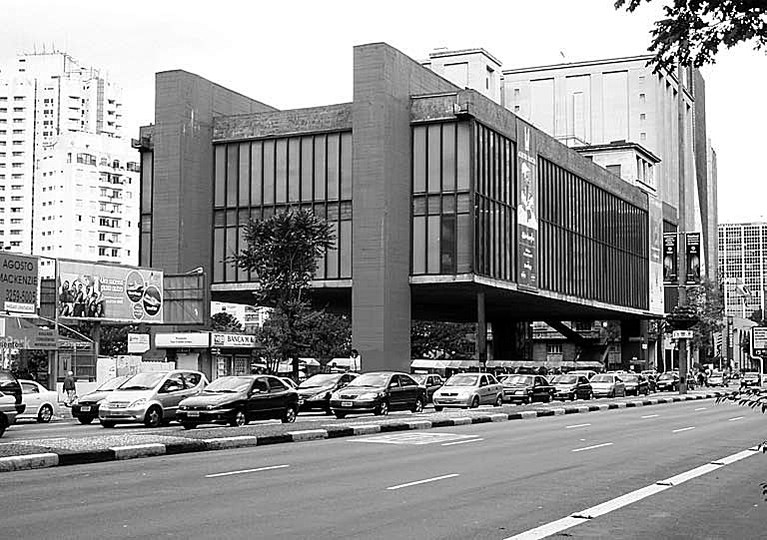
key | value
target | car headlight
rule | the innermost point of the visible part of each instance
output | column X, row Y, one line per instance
column 138, row 403
column 369, row 395
column 209, row 407
column 317, row 397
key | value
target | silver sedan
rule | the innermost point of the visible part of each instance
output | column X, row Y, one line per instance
column 469, row 390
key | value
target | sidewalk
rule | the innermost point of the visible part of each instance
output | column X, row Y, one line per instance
column 114, row 445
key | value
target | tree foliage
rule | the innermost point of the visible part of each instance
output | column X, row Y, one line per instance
column 328, row 336
column 708, row 304
column 693, row 31
column 113, row 339
column 758, row 317
column 225, row 322
column 442, row 340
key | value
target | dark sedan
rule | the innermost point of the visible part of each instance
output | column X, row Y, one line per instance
column 668, row 381
column 379, row 392
column 314, row 393
column 636, row 384
column 527, row 388
column 238, row 399
column 86, row 408
column 751, row 379
column 431, row 382
column 572, row 387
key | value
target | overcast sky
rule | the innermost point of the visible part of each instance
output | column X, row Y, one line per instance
column 298, row 53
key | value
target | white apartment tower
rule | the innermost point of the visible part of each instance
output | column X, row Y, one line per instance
column 68, row 180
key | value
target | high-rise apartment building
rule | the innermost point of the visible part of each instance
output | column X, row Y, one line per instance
column 743, row 267
column 68, row 180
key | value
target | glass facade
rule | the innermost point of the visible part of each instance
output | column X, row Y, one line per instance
column 589, row 237
column 256, row 179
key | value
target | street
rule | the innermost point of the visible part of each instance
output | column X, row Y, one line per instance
column 482, row 481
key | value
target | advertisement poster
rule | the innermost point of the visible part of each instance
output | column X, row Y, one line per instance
column 527, row 209
column 92, row 291
column 693, row 257
column 655, row 215
column 670, row 272
column 19, row 283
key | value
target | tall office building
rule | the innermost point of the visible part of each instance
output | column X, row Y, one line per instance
column 68, row 180
column 743, row 267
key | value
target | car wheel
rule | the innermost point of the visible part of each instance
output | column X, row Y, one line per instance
column 290, row 415
column 437, row 408
column 591, row 395
column 572, row 397
column 382, row 409
column 107, row 424
column 547, row 399
column 189, row 425
column 527, row 400
column 85, row 419
column 418, row 407
column 239, row 419
column 340, row 415
column 153, row 417
column 475, row 402
column 499, row 401
column 328, row 410
column 45, row 414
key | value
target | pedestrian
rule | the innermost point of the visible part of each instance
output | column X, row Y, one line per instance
column 69, row 387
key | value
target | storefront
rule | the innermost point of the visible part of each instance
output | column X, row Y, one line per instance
column 215, row 354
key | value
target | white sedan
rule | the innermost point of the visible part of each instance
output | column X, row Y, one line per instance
column 42, row 404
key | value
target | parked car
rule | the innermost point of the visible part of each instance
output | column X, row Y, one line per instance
column 636, row 384
column 10, row 386
column 588, row 373
column 86, row 408
column 718, row 378
column 750, row 379
column 290, row 382
column 378, row 392
column 238, row 399
column 469, row 390
column 431, row 381
column 8, row 411
column 151, row 397
column 314, row 393
column 41, row 404
column 607, row 385
column 527, row 388
column 571, row 387
column 668, row 381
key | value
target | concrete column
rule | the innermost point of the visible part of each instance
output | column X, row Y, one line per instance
column 481, row 329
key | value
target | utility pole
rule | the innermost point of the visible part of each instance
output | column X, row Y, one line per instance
column 682, row 225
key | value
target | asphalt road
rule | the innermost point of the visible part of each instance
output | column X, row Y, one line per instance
column 480, row 481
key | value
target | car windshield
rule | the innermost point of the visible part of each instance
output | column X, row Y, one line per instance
column 143, row 381
column 462, row 380
column 371, row 379
column 666, row 376
column 564, row 379
column 518, row 379
column 231, row 384
column 602, row 378
column 322, row 379
column 111, row 384
column 420, row 378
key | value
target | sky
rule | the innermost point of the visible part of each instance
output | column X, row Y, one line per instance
column 298, row 53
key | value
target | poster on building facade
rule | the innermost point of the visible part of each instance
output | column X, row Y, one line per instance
column 527, row 209
column 19, row 283
column 91, row 291
column 692, row 252
column 655, row 215
column 670, row 272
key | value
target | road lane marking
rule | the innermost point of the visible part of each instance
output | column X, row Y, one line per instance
column 701, row 409
column 736, row 418
column 576, row 426
column 682, row 429
column 650, row 416
column 462, row 442
column 415, row 438
column 591, row 447
column 230, row 473
column 417, row 482
column 555, row 527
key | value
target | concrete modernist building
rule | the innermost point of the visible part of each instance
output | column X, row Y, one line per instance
column 60, row 147
column 445, row 205
column 743, row 267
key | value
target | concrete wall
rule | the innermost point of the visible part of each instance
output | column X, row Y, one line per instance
column 185, row 105
column 384, row 80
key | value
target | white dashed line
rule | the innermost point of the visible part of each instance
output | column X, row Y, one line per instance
column 701, row 409
column 462, row 442
column 736, row 418
column 591, row 447
column 417, row 482
column 683, row 429
column 650, row 416
column 576, row 426
column 230, row 473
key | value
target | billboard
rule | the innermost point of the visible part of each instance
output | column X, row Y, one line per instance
column 670, row 272
column 92, row 291
column 19, row 283
column 693, row 257
column 527, row 210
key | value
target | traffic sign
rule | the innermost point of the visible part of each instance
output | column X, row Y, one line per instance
column 759, row 336
column 681, row 334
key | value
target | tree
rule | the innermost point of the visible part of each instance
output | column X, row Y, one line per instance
column 113, row 340
column 225, row 322
column 442, row 340
column 283, row 251
column 758, row 317
column 706, row 300
column 693, row 31
column 327, row 336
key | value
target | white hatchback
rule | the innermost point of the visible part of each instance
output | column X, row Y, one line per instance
column 41, row 404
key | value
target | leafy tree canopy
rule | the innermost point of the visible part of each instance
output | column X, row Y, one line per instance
column 706, row 300
column 442, row 340
column 225, row 322
column 693, row 31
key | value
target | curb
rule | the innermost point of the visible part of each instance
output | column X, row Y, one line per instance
column 39, row 461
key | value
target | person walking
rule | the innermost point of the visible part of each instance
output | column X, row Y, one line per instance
column 69, row 388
